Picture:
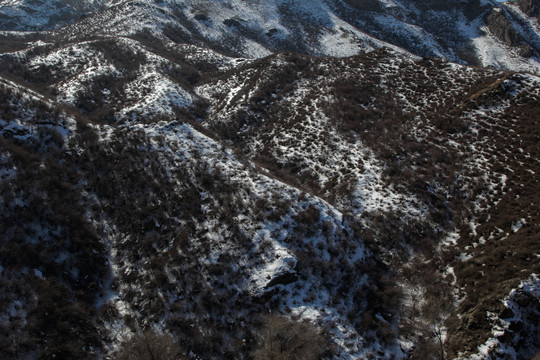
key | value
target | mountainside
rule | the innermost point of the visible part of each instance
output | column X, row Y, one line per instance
column 265, row 178
column 477, row 32
column 32, row 15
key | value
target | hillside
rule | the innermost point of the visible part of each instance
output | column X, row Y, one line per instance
column 476, row 32
column 182, row 167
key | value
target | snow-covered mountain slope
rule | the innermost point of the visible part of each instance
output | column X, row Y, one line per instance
column 209, row 247
column 475, row 32
column 163, row 165
column 32, row 15
column 95, row 77
column 354, row 193
column 423, row 143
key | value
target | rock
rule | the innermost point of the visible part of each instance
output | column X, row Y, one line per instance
column 507, row 313
column 500, row 27
column 530, row 7
column 283, row 279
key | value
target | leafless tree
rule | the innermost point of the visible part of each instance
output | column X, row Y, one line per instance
column 150, row 345
column 284, row 339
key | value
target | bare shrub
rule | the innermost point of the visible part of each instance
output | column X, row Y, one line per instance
column 284, row 339
column 150, row 345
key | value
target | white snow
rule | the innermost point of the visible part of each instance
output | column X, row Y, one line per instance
column 530, row 286
column 154, row 94
column 38, row 273
column 281, row 262
column 450, row 240
column 492, row 52
column 518, row 225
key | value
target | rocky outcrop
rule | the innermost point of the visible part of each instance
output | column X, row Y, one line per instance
column 530, row 7
column 500, row 26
